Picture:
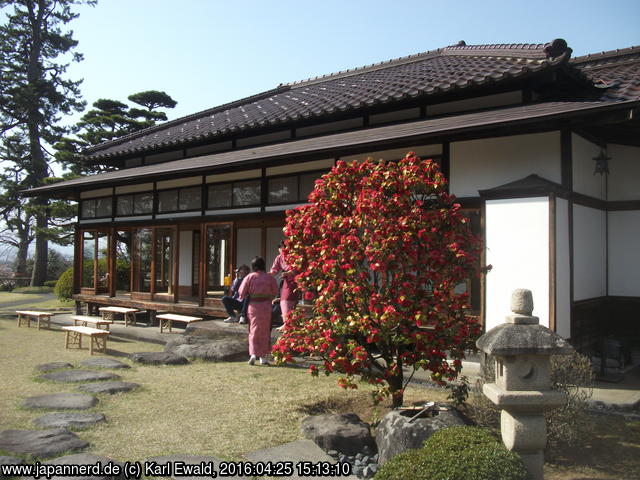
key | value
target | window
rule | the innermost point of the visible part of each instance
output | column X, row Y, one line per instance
column 235, row 194
column 292, row 188
column 135, row 204
column 96, row 208
column 180, row 199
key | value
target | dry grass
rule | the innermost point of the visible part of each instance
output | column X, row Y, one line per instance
column 31, row 301
column 223, row 409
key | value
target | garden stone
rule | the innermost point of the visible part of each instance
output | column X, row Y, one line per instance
column 158, row 358
column 108, row 387
column 225, row 349
column 66, row 401
column 78, row 376
column 85, row 459
column 342, row 432
column 187, row 459
column 41, row 443
column 47, row 367
column 9, row 461
column 68, row 420
column 102, row 362
column 396, row 433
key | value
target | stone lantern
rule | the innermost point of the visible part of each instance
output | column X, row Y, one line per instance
column 522, row 389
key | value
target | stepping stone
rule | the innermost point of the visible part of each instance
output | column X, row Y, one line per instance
column 41, row 443
column 47, row 367
column 4, row 460
column 108, row 387
column 102, row 362
column 64, row 401
column 86, row 459
column 68, row 420
column 158, row 358
column 190, row 460
column 79, row 376
column 298, row 451
column 224, row 349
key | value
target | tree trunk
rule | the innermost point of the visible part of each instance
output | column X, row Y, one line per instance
column 41, row 258
column 395, row 388
column 23, row 252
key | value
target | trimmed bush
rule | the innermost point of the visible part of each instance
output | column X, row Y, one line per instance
column 456, row 453
column 64, row 285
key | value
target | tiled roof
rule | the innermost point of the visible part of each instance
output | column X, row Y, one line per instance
column 616, row 71
column 421, row 75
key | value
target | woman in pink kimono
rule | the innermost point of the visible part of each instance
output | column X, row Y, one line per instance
column 289, row 291
column 261, row 288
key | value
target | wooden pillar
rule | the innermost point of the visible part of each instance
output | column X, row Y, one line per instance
column 154, row 251
column 202, row 266
column 112, row 266
column 176, row 266
column 77, row 259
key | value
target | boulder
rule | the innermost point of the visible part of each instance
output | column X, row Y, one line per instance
column 78, row 376
column 345, row 433
column 68, row 420
column 396, row 432
column 4, row 460
column 223, row 349
column 108, row 387
column 40, row 443
column 66, row 401
column 88, row 459
column 48, row 367
column 158, row 358
column 103, row 362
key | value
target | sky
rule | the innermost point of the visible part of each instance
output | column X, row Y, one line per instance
column 205, row 53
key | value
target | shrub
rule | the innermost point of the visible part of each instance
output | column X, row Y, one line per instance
column 50, row 283
column 568, row 425
column 382, row 246
column 64, row 285
column 456, row 453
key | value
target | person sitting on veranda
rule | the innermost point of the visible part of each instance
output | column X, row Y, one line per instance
column 236, row 309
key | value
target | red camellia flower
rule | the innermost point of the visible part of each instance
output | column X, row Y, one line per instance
column 381, row 248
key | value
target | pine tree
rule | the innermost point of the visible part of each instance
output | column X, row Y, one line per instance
column 34, row 46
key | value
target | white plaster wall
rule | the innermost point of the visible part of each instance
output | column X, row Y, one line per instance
column 248, row 245
column 517, row 234
column 563, row 270
column 487, row 163
column 589, row 253
column 624, row 168
column 185, row 263
column 424, row 151
column 624, row 253
column 584, row 181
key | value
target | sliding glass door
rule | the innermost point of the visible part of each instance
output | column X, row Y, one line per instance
column 218, row 257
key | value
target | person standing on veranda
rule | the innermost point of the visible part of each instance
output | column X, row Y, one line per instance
column 289, row 292
column 260, row 288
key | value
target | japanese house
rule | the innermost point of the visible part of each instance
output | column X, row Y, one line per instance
column 542, row 150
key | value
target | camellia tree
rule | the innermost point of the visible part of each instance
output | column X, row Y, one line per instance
column 381, row 248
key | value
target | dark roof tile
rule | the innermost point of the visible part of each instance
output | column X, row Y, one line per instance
column 429, row 73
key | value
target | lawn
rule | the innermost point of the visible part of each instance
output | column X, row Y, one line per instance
column 229, row 409
column 10, row 302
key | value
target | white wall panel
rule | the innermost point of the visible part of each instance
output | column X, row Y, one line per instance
column 186, row 266
column 584, row 181
column 624, row 253
column 517, row 233
column 487, row 163
column 249, row 245
column 589, row 253
column 624, row 168
column 563, row 270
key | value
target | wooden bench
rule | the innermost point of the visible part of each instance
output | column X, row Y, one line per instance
column 129, row 314
column 98, row 337
column 41, row 317
column 166, row 318
column 97, row 322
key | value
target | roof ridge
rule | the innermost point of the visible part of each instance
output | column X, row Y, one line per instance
column 527, row 50
column 618, row 52
column 161, row 126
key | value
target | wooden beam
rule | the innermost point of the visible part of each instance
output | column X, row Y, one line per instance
column 176, row 266
column 552, row 262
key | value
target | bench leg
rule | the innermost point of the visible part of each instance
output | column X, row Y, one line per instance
column 100, row 343
column 73, row 338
